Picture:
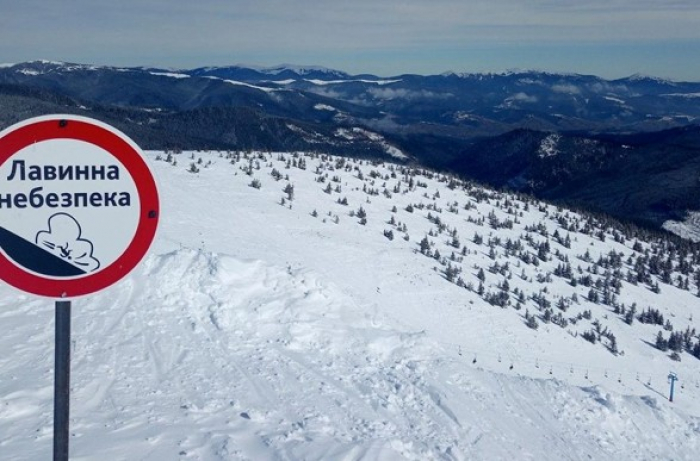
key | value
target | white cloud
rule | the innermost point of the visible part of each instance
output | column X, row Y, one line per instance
column 566, row 89
column 402, row 93
column 604, row 87
column 523, row 97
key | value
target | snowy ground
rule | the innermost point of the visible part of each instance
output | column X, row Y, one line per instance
column 688, row 229
column 257, row 331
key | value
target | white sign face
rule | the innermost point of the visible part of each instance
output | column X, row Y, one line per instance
column 87, row 220
column 78, row 205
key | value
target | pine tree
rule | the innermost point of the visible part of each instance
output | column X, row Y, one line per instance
column 593, row 296
column 451, row 272
column 629, row 316
column 531, row 321
column 661, row 343
column 613, row 344
column 505, row 286
column 547, row 316
column 696, row 350
column 675, row 342
column 561, row 305
column 590, row 336
column 425, row 245
column 289, row 190
column 492, row 253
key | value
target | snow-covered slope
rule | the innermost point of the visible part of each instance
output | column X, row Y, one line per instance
column 688, row 229
column 261, row 327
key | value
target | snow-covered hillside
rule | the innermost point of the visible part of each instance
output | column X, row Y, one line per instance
column 688, row 229
column 300, row 306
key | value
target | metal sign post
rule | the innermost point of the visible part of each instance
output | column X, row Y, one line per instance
column 61, row 409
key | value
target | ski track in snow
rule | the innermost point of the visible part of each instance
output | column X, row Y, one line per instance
column 232, row 342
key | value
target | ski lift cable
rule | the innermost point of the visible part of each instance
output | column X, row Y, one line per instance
column 536, row 362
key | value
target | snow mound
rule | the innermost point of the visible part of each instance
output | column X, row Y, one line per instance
column 198, row 353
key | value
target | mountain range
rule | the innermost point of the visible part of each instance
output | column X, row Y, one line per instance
column 629, row 147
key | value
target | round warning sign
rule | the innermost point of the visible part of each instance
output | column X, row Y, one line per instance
column 78, row 206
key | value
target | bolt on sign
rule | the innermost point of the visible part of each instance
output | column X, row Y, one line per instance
column 78, row 206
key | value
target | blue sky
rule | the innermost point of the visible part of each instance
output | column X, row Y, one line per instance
column 609, row 38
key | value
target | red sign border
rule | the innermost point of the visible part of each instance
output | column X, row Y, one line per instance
column 123, row 149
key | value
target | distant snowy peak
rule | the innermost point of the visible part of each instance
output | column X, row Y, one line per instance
column 303, row 70
column 274, row 70
column 469, row 75
column 648, row 79
column 43, row 67
column 235, row 72
column 518, row 73
column 39, row 67
column 283, row 71
column 45, row 62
